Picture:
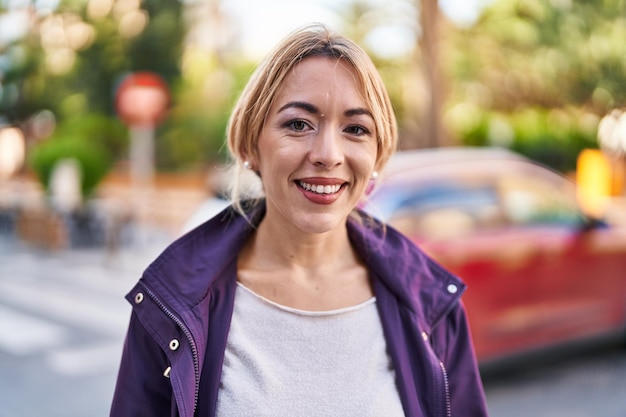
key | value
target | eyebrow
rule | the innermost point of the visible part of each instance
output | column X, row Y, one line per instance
column 300, row 105
column 314, row 110
column 359, row 112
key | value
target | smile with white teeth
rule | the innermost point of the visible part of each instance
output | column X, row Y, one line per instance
column 320, row 189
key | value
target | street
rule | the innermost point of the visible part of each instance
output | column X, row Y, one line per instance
column 588, row 384
column 62, row 324
column 63, row 319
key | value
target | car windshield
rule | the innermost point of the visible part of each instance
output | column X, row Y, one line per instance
column 446, row 209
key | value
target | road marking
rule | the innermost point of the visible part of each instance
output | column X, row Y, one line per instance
column 90, row 313
column 86, row 360
column 111, row 282
column 21, row 334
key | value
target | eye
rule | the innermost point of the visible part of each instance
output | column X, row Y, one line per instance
column 357, row 130
column 297, row 125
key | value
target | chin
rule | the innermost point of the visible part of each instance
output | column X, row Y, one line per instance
column 318, row 224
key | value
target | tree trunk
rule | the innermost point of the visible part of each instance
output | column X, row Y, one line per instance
column 433, row 134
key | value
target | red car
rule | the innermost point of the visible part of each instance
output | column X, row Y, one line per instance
column 539, row 272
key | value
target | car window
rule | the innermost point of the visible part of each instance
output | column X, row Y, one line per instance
column 481, row 200
column 532, row 201
column 441, row 211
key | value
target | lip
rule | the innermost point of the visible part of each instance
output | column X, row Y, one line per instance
column 318, row 198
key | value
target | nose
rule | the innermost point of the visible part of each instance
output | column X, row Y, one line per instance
column 326, row 150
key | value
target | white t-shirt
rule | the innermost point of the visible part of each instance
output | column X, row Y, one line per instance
column 282, row 361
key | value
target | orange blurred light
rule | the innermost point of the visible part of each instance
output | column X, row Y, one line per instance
column 594, row 178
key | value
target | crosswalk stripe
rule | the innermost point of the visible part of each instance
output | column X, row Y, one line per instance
column 86, row 360
column 111, row 282
column 21, row 334
column 85, row 312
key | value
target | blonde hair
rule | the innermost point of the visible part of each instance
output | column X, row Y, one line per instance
column 253, row 106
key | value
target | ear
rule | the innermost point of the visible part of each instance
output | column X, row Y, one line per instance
column 377, row 168
column 247, row 149
column 251, row 156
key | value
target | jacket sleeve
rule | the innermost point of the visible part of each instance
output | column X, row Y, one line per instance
column 142, row 389
column 454, row 346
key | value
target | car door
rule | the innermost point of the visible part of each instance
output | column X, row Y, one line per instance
column 580, row 286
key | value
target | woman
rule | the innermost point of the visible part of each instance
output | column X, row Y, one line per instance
column 294, row 303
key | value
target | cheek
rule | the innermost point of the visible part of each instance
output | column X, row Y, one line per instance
column 276, row 167
column 280, row 153
column 367, row 158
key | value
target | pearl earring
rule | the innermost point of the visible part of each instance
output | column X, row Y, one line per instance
column 374, row 175
column 246, row 164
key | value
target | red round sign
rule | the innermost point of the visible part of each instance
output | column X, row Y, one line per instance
column 142, row 99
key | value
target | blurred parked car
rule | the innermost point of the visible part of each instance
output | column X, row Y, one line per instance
column 539, row 272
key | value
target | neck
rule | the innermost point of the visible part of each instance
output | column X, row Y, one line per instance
column 287, row 249
column 318, row 271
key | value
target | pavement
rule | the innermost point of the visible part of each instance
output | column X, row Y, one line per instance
column 63, row 318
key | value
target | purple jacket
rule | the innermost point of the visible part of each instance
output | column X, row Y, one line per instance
column 182, row 306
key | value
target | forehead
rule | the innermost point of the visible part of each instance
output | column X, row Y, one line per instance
column 319, row 75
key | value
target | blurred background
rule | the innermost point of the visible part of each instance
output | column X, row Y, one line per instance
column 112, row 122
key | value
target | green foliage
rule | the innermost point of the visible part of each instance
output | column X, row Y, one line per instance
column 91, row 141
column 192, row 141
column 29, row 85
column 545, row 53
column 552, row 137
column 106, row 131
column 159, row 47
column 91, row 158
column 194, row 133
column 548, row 68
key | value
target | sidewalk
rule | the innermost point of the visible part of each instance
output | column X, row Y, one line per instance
column 164, row 207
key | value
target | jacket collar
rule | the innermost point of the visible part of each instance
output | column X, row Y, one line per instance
column 418, row 282
column 190, row 265
column 187, row 268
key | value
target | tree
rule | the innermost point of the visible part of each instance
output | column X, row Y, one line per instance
column 544, row 70
column 73, row 58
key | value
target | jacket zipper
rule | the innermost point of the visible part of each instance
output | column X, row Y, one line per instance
column 442, row 366
column 446, row 388
column 192, row 344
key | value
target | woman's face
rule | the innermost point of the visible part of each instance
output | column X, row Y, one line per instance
column 318, row 148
